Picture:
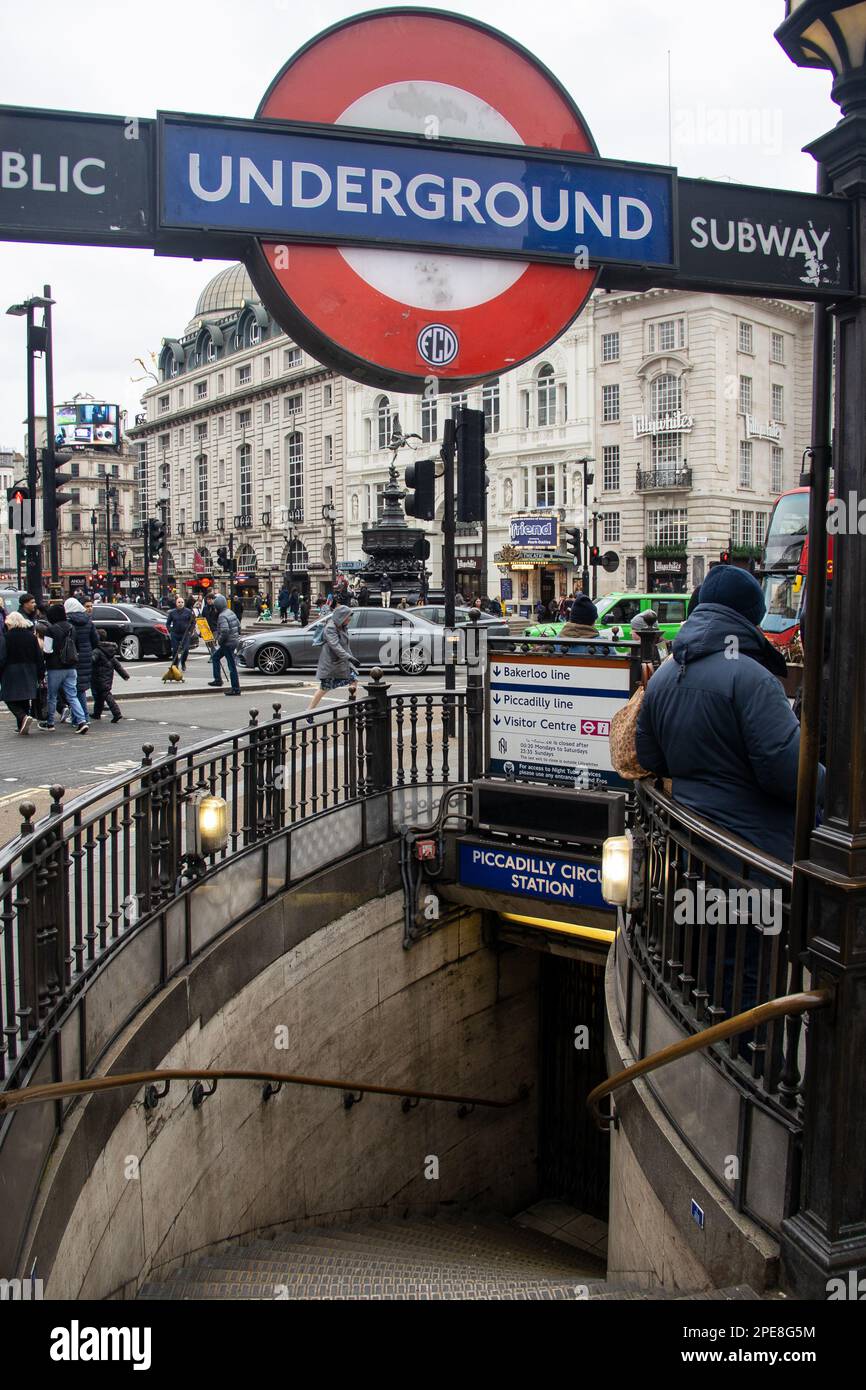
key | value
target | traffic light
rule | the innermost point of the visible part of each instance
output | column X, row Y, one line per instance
column 725, row 557
column 19, row 516
column 223, row 559
column 155, row 537
column 53, row 479
column 471, row 456
column 421, row 476
column 595, row 555
column 112, row 556
column 573, row 543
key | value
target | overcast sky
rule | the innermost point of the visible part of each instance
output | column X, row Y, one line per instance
column 740, row 111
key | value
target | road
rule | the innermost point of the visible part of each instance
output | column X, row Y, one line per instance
column 30, row 765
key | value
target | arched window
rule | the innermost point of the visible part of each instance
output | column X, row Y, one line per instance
column 546, row 395
column 245, row 476
column 295, row 470
column 202, row 489
column 255, row 334
column 667, row 395
column 383, row 418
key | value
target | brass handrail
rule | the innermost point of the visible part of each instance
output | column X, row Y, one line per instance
column 57, row 1090
column 739, row 1023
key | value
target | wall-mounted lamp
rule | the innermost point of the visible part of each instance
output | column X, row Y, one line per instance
column 622, row 870
column 206, row 823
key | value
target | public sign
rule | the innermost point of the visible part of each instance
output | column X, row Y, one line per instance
column 549, row 717
column 416, row 197
column 506, row 868
column 534, row 532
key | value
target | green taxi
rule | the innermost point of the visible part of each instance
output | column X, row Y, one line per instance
column 617, row 610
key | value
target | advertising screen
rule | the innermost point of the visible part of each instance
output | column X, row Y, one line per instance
column 86, row 425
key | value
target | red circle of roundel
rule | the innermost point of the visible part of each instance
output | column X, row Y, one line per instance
column 320, row 299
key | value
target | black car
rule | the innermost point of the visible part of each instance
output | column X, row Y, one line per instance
column 139, row 631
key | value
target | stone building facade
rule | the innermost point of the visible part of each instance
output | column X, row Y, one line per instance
column 240, row 444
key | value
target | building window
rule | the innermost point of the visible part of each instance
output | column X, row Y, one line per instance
column 180, row 398
column 142, row 496
column 545, row 485
column 267, row 464
column 201, row 465
column 164, row 405
column 201, row 430
column 777, row 394
column 181, row 436
column 429, row 418
column 458, row 400
column 546, row 390
column 75, row 521
column 293, row 405
column 221, row 425
column 222, row 470
column 200, row 390
column 291, row 358
column 221, row 383
column 266, row 367
column 383, row 422
column 748, row 520
column 329, row 448
column 525, row 489
column 222, row 515
column 671, row 334
column 668, row 527
column 211, row 350
column 182, row 480
column 243, row 375
column 609, row 404
column 666, row 395
column 164, row 443
column 667, row 451
column 735, row 528
column 610, row 468
column 490, row 406
column 777, row 347
column 295, row 469
column 327, row 395
column 776, row 465
column 745, row 395
column 610, row 528
column 760, row 527
column 745, row 463
column 329, row 495
column 610, row 347
column 745, row 338
column 245, row 419
column 266, row 413
column 245, row 478
column 255, row 334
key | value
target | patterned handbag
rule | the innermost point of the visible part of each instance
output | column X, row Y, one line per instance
column 623, row 732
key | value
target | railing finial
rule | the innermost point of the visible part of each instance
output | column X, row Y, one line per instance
column 147, row 749
column 27, row 811
column 56, row 793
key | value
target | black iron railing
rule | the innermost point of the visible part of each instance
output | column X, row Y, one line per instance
column 80, row 883
column 662, row 478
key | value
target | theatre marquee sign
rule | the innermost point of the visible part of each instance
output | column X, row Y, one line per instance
column 401, row 213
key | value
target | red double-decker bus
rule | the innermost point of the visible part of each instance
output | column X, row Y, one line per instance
column 784, row 565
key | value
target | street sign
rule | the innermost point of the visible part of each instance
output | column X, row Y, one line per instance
column 503, row 868
column 549, row 717
column 369, row 311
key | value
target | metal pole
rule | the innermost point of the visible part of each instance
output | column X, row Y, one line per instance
column 109, row 579
column 333, row 553
column 585, row 576
column 93, row 524
column 594, row 545
column 484, row 536
column 146, row 559
column 53, row 535
column 32, row 552
column 448, row 576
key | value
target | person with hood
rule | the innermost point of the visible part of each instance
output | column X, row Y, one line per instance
column 105, row 663
column 336, row 666
column 283, row 601
column 238, row 607
column 181, row 626
column 581, row 625
column 85, row 640
column 716, row 719
column 304, row 610
column 21, row 668
column 61, row 660
column 227, row 633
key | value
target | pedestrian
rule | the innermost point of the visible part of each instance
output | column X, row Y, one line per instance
column 717, row 720
column 105, row 663
column 85, row 640
column 238, row 607
column 304, row 610
column 582, row 618
column 295, row 605
column 22, row 665
column 553, row 609
column 181, row 625
column 363, row 596
column 541, row 610
column 61, row 660
column 2, row 613
column 227, row 634
column 336, row 666
column 284, row 599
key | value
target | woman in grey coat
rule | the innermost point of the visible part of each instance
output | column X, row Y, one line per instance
column 336, row 666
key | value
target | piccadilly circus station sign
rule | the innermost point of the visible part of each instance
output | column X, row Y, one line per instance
column 416, row 196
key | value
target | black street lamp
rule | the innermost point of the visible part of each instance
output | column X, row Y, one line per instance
column 588, row 480
column 94, row 522
column 329, row 514
column 826, row 1237
column 36, row 342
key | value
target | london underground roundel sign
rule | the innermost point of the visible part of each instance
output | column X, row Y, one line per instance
column 392, row 317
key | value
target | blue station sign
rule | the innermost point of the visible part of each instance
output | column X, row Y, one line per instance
column 289, row 180
column 531, row 874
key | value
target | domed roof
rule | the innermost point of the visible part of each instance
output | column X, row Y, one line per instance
column 226, row 291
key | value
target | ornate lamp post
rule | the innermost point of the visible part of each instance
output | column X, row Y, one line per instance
column 826, row 1238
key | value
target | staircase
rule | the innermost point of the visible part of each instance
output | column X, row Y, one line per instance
column 415, row 1258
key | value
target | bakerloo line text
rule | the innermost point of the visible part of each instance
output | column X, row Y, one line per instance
column 426, row 195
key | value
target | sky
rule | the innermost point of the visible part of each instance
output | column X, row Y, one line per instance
column 739, row 111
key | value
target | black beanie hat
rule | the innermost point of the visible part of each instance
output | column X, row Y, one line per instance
column 583, row 611
column 734, row 588
column 56, row 613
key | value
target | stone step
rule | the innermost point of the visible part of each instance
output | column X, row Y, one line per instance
column 386, row 1262
column 395, row 1246
column 226, row 1284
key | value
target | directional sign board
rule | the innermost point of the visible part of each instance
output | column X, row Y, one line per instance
column 549, row 717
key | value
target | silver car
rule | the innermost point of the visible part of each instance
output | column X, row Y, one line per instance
column 388, row 637
column 435, row 613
